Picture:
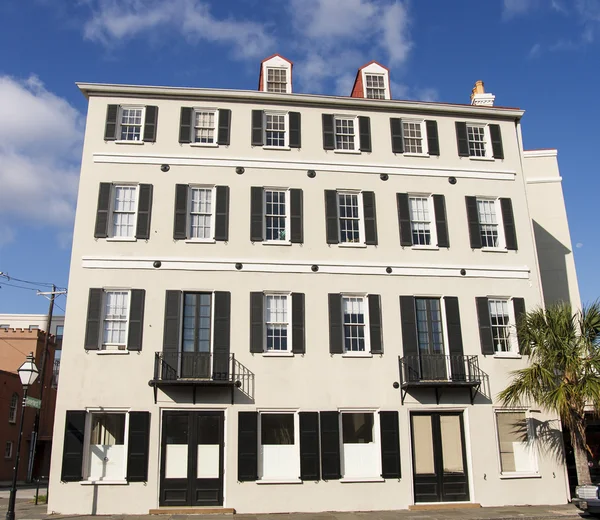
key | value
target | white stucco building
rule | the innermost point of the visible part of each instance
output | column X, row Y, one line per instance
column 286, row 302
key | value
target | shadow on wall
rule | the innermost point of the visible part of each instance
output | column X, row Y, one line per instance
column 552, row 254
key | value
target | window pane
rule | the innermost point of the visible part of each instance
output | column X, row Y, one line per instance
column 420, row 221
column 513, row 438
column 276, row 80
column 413, row 137
column 108, row 429
column 476, row 138
column 344, row 134
column 354, row 324
column 357, row 428
column 275, row 215
column 500, row 322
column 423, row 445
column 275, row 130
column 277, row 428
column 131, row 124
column 277, row 322
column 452, row 452
column 429, row 326
column 115, row 317
column 124, row 208
column 201, row 207
column 349, row 218
column 488, row 223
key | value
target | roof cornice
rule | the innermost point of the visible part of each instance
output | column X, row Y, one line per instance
column 240, row 96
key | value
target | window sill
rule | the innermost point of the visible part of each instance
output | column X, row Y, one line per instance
column 507, row 476
column 276, row 243
column 204, row 145
column 357, row 355
column 356, row 152
column 415, row 154
column 199, row 241
column 426, row 248
column 286, row 148
column 112, row 352
column 475, row 158
column 279, row 481
column 508, row 355
column 129, row 142
column 121, row 239
column 361, row 479
column 352, row 244
column 494, row 250
column 278, row 354
column 104, row 482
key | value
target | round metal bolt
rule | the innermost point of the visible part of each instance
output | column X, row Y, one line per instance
column 452, row 180
column 311, row 174
column 384, row 176
column 238, row 266
column 388, row 270
column 157, row 264
column 239, row 170
column 314, row 268
column 463, row 272
column 164, row 168
column 396, row 385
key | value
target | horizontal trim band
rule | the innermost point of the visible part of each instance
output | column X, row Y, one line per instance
column 179, row 264
column 503, row 175
column 550, row 152
column 543, row 180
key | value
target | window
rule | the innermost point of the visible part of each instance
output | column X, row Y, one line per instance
column 197, row 312
column 205, row 124
column 420, row 220
column 8, row 449
column 375, row 86
column 59, row 332
column 500, row 318
column 277, row 323
column 515, row 441
column 489, row 227
column 360, row 445
column 429, row 326
column 276, row 217
column 131, row 123
column 413, row 134
column 345, row 133
column 12, row 409
column 349, row 211
column 275, row 130
column 201, row 213
column 4, row 326
column 476, row 136
column 34, row 327
column 355, row 326
column 124, row 211
column 107, row 451
column 115, row 318
column 279, row 446
column 276, row 80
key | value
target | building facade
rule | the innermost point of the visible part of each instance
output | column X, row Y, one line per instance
column 284, row 302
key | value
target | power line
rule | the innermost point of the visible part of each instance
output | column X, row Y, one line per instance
column 57, row 305
column 46, row 284
column 18, row 286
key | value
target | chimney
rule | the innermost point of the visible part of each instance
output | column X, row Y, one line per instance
column 479, row 97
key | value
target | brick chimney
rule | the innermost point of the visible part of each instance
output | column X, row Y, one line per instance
column 479, row 96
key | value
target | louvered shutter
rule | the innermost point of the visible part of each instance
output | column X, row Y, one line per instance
column 256, row 214
column 375, row 329
column 455, row 341
column 473, row 222
column 136, row 320
column 298, row 339
column 520, row 315
column 508, row 219
column 224, row 132
column 485, row 326
column 185, row 125
column 296, row 216
column 496, row 137
column 247, row 446
column 441, row 223
column 171, row 334
column 222, row 214
column 94, row 320
column 101, row 227
column 328, row 132
column 181, row 211
column 144, row 215
column 295, row 130
column 309, row 446
column 410, row 345
column 364, row 128
column 331, row 217
column 222, row 335
column 336, row 333
column 397, row 137
column 370, row 215
column 330, row 445
column 462, row 141
column 72, row 461
column 110, row 128
column 257, row 128
column 256, row 322
column 404, row 219
column 151, row 124
column 390, row 445
column 433, row 140
column 138, row 446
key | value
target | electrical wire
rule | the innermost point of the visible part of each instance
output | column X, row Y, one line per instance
column 18, row 286
column 46, row 284
column 57, row 305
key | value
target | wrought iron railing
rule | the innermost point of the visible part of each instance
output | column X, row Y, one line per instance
column 430, row 368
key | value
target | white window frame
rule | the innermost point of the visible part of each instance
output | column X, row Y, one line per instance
column 361, row 219
column 87, row 445
column 531, row 438
column 489, row 154
column 356, row 148
column 111, row 219
column 214, row 111
column 287, row 71
column 284, row 480
column 500, row 223
column 276, row 353
column 287, row 240
column 120, row 124
column 376, row 477
column 13, row 410
column 386, row 94
column 424, row 143
column 188, row 224
column 112, row 347
column 512, row 337
column 286, row 138
column 367, row 327
column 432, row 221
column 8, row 447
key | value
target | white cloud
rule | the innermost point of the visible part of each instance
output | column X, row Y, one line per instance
column 116, row 21
column 40, row 149
column 579, row 245
column 535, row 51
column 427, row 94
column 512, row 8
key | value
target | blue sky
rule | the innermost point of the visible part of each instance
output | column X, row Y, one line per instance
column 540, row 55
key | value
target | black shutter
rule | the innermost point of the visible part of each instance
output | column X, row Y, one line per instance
column 496, row 136
column 485, row 326
column 336, row 335
column 110, row 130
column 171, row 334
column 257, row 128
column 331, row 217
column 309, row 446
column 397, row 137
column 295, row 132
column 222, row 335
column 390, row 445
column 330, row 445
column 101, row 227
column 328, row 133
column 150, row 124
column 94, row 319
column 185, row 125
column 473, row 222
column 508, row 219
column 296, row 216
column 461, row 139
column 298, row 339
column 375, row 332
column 520, row 314
column 138, row 446
column 441, row 223
column 410, row 345
column 404, row 219
column 433, row 140
column 223, row 135
column 455, row 342
column 256, row 322
column 72, row 462
column 136, row 320
column 364, row 128
column 370, row 214
column 181, row 210
column 222, row 214
column 256, row 213
column 144, row 215
column 247, row 446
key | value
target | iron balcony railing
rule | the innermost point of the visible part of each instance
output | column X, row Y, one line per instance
column 55, row 371
column 439, row 368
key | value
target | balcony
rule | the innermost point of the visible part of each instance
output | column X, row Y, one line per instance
column 440, row 371
column 201, row 369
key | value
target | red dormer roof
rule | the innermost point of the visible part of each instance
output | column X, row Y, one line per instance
column 358, row 89
column 260, row 74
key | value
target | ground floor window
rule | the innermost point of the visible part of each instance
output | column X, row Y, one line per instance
column 107, row 449
column 360, row 445
column 515, row 443
column 279, row 446
column 8, row 449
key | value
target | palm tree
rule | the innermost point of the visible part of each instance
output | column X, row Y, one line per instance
column 563, row 375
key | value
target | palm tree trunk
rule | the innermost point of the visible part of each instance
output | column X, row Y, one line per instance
column 581, row 460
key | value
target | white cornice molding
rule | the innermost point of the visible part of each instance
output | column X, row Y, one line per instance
column 543, row 180
column 252, row 96
column 504, row 175
column 541, row 153
column 264, row 266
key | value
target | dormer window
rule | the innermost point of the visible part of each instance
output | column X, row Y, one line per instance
column 275, row 75
column 375, row 86
column 372, row 82
column 276, row 80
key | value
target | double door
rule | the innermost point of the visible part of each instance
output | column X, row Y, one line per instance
column 439, row 459
column 191, row 470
